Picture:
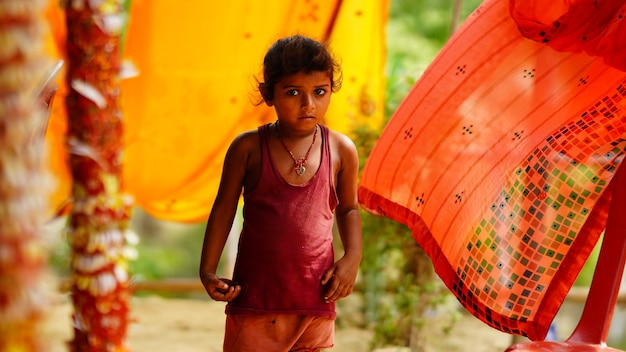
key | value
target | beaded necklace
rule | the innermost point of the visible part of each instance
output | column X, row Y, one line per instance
column 299, row 163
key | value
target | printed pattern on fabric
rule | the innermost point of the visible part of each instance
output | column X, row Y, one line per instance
column 544, row 188
column 501, row 157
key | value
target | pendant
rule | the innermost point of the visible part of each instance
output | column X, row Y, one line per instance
column 300, row 169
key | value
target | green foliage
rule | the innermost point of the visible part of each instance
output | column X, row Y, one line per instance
column 126, row 10
column 393, row 294
column 586, row 273
column 399, row 82
column 429, row 19
column 390, row 293
column 397, row 281
column 172, row 254
column 418, row 29
column 59, row 259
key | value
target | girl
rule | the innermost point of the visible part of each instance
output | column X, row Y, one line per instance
column 298, row 177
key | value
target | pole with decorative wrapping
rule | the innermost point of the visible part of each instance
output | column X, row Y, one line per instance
column 100, row 212
column 23, row 183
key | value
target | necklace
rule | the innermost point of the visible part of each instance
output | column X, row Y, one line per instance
column 299, row 167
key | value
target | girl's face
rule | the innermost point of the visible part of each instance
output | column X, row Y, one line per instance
column 301, row 100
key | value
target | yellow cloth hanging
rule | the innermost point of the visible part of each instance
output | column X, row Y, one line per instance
column 195, row 89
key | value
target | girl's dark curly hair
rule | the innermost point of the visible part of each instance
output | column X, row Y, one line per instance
column 290, row 55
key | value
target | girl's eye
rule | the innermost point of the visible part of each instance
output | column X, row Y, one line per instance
column 320, row 91
column 293, row 92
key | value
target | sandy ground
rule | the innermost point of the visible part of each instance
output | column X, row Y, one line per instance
column 194, row 325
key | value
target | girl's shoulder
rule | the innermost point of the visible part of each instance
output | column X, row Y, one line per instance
column 245, row 142
column 343, row 150
column 247, row 137
column 340, row 140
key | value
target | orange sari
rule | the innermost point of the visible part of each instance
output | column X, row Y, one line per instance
column 501, row 157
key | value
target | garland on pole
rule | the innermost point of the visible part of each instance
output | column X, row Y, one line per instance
column 100, row 212
column 23, row 183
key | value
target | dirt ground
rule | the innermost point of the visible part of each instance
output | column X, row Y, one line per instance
column 194, row 325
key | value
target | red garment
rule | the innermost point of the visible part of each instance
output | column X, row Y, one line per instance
column 286, row 241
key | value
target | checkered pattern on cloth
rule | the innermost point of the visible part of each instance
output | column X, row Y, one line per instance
column 500, row 159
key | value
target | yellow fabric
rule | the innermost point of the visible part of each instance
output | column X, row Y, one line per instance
column 195, row 90
column 358, row 39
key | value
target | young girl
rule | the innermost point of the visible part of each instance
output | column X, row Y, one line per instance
column 298, row 177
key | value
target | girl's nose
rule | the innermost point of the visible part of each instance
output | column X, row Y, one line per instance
column 307, row 103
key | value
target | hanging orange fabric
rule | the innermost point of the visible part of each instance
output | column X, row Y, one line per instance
column 499, row 157
column 197, row 63
column 195, row 92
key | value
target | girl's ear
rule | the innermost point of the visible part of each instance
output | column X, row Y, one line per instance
column 265, row 93
column 269, row 103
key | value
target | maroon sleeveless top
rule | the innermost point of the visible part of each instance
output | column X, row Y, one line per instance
column 286, row 241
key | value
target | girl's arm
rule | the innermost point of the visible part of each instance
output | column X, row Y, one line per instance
column 221, row 219
column 342, row 275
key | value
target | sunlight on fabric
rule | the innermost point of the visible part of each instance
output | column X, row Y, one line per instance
column 500, row 158
column 195, row 90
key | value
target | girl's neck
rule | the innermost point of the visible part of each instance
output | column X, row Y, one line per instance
column 285, row 133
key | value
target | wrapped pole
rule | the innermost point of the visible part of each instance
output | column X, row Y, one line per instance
column 23, row 182
column 100, row 212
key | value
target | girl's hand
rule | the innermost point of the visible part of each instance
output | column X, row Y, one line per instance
column 340, row 279
column 220, row 289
